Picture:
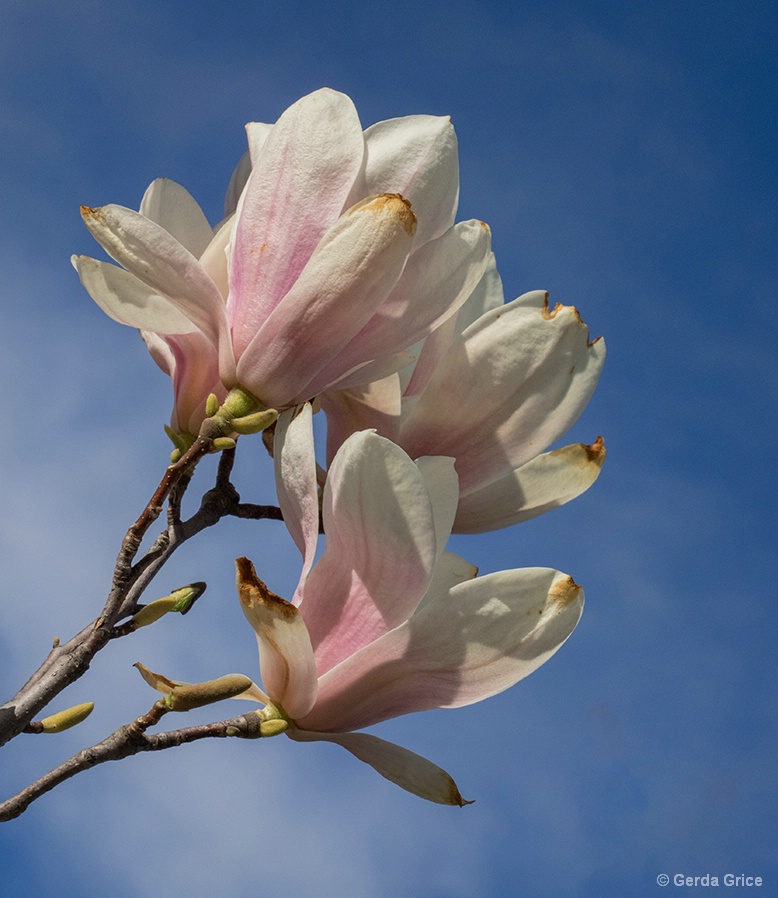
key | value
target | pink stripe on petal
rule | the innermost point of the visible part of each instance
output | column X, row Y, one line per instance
column 380, row 549
column 296, row 191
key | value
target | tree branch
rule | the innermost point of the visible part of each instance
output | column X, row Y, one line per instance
column 68, row 661
column 127, row 741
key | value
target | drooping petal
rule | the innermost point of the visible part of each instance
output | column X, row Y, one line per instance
column 465, row 645
column 374, row 406
column 352, row 270
column 547, row 481
column 296, row 191
column 285, row 654
column 416, row 156
column 129, row 301
column 380, row 549
column 157, row 259
column 173, row 208
column 295, row 470
column 510, row 386
column 400, row 766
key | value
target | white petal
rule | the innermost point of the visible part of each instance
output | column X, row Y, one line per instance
column 451, row 569
column 442, row 484
column 285, row 653
column 400, row 766
column 487, row 295
column 155, row 257
column 172, row 207
column 374, row 406
column 510, row 386
column 129, row 301
column 465, row 645
column 416, row 156
column 295, row 469
column 545, row 482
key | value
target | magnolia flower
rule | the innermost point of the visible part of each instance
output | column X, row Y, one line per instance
column 176, row 344
column 493, row 387
column 342, row 253
column 387, row 623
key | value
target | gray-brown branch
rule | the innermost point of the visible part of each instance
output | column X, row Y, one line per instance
column 68, row 661
column 123, row 743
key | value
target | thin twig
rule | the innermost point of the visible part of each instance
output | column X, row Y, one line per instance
column 68, row 661
column 123, row 743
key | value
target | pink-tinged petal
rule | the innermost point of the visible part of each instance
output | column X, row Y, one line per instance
column 129, row 301
column 380, row 549
column 192, row 364
column 373, row 406
column 463, row 646
column 436, row 281
column 285, row 654
column 487, row 295
column 298, row 495
column 296, row 191
column 173, row 208
column 545, row 482
column 417, row 157
column 155, row 257
column 400, row 766
column 510, row 386
column 351, row 272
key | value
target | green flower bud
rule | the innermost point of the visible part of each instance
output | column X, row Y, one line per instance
column 221, row 443
column 64, row 720
column 211, row 405
column 273, row 727
column 152, row 612
column 255, row 423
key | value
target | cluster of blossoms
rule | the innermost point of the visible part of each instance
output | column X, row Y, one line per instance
column 338, row 282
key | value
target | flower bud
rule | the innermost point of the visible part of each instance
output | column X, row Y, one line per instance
column 221, row 443
column 152, row 612
column 185, row 698
column 64, row 720
column 255, row 423
column 273, row 727
column 211, row 405
column 180, row 601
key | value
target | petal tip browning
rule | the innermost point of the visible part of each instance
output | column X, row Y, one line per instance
column 596, row 452
column 398, row 207
column 254, row 592
column 564, row 592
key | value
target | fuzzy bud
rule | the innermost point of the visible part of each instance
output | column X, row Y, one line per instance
column 185, row 698
column 64, row 720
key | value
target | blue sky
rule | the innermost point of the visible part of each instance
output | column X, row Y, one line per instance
column 624, row 157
